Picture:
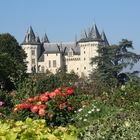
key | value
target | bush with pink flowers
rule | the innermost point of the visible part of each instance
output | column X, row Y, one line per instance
column 55, row 107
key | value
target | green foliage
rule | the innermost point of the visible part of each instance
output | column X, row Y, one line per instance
column 111, row 61
column 127, row 96
column 38, row 83
column 12, row 65
column 6, row 104
column 35, row 130
column 119, row 126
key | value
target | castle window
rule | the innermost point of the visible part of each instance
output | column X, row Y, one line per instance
column 77, row 68
column 33, row 52
column 56, row 54
column 84, row 67
column 54, row 63
column 84, row 52
column 84, row 58
column 33, row 61
column 70, row 53
column 42, row 69
column 49, row 63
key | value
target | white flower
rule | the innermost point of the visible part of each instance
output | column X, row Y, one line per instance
column 86, row 115
column 89, row 112
column 93, row 110
column 80, row 110
column 80, row 118
column 84, row 106
column 127, row 124
column 97, row 109
column 123, row 87
column 85, row 120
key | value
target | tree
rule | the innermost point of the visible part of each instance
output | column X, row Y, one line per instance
column 111, row 60
column 12, row 65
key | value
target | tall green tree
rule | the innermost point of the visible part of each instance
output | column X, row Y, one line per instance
column 112, row 60
column 12, row 56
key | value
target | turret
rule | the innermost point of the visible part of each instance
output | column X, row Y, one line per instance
column 94, row 33
column 45, row 39
column 104, row 38
column 32, row 48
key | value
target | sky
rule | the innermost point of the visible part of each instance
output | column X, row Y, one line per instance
column 62, row 20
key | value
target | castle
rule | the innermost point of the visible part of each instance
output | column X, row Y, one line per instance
column 74, row 56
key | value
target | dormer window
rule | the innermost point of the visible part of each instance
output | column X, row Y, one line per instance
column 70, row 53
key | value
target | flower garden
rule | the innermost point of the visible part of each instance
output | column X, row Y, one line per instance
column 63, row 111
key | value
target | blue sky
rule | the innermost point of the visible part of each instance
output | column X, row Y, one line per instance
column 63, row 19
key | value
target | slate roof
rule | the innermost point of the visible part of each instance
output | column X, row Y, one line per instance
column 30, row 37
column 104, row 38
column 60, row 48
column 93, row 35
column 45, row 39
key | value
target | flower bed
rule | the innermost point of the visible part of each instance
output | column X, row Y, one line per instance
column 55, row 107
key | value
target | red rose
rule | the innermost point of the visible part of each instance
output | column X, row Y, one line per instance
column 41, row 112
column 58, row 91
column 30, row 100
column 52, row 94
column 46, row 93
column 34, row 109
column 44, row 98
column 70, row 108
column 70, row 91
column 36, row 98
column 42, row 106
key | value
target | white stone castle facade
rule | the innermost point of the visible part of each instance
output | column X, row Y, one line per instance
column 75, row 56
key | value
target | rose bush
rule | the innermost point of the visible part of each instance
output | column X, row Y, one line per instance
column 55, row 107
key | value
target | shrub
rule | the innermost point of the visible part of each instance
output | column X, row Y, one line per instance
column 6, row 103
column 55, row 107
column 35, row 130
column 122, row 126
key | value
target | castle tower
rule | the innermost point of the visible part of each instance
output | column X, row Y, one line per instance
column 88, row 49
column 32, row 48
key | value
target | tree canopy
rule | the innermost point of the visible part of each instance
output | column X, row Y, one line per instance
column 12, row 65
column 111, row 61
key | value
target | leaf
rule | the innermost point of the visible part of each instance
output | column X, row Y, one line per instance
column 2, row 138
column 69, row 137
column 28, row 121
column 11, row 136
column 52, row 137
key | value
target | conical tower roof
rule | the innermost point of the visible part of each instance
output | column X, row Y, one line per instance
column 104, row 38
column 83, row 34
column 94, row 33
column 37, row 38
column 45, row 39
column 30, row 37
